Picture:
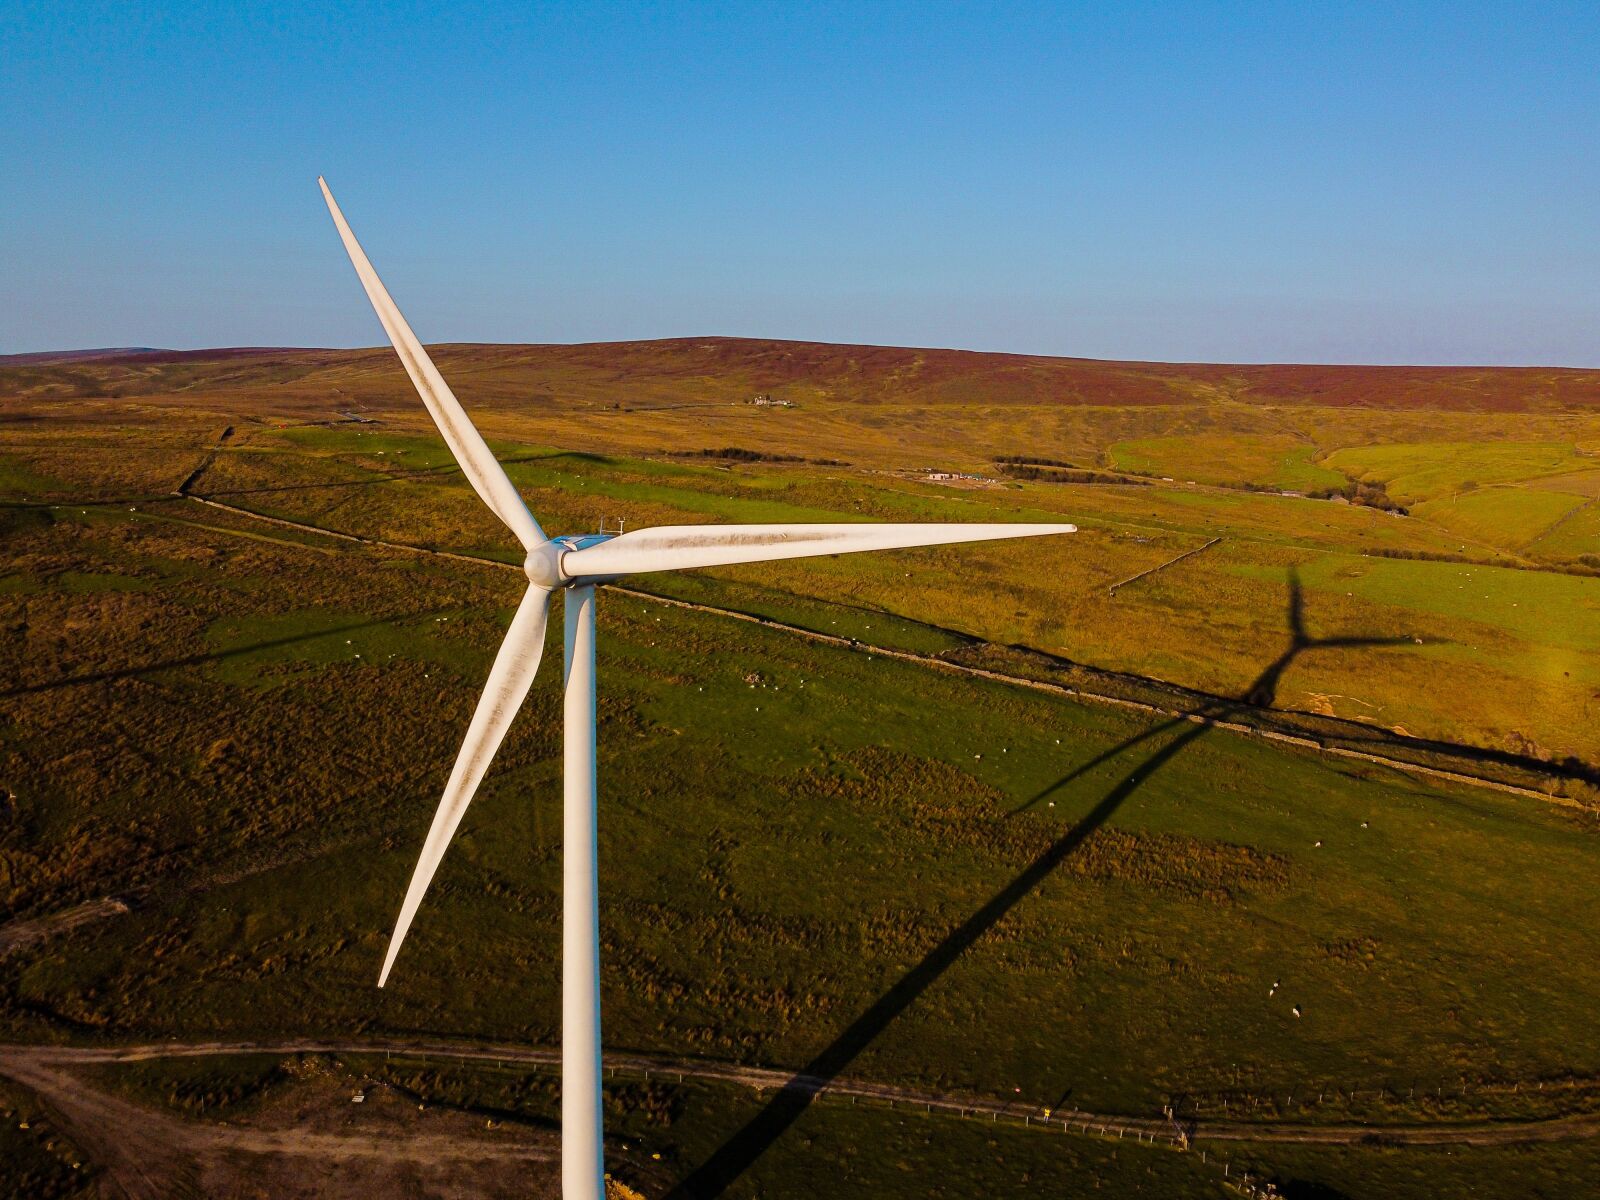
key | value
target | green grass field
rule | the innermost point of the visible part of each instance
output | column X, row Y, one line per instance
column 1432, row 470
column 1510, row 518
column 821, row 857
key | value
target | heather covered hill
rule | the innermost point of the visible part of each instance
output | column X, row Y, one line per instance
column 683, row 370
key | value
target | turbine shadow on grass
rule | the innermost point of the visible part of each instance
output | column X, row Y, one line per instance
column 1261, row 693
column 736, row 1155
column 740, row 1151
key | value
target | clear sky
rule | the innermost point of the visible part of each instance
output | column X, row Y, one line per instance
column 1223, row 182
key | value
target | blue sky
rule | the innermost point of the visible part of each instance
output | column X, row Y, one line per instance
column 1217, row 182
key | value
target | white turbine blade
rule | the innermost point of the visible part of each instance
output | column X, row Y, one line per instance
column 678, row 547
column 487, row 476
column 509, row 680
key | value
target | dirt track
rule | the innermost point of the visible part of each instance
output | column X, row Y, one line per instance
column 48, row 1071
column 312, row 1143
column 17, row 935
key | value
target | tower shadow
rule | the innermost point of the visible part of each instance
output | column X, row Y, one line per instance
column 736, row 1155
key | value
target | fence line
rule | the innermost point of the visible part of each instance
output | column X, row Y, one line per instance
column 1122, row 583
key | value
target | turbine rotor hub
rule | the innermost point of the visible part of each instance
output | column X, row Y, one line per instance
column 543, row 565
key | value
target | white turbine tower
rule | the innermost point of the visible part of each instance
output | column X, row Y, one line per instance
column 575, row 565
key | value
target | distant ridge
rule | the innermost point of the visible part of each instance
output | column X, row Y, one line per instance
column 67, row 356
column 147, row 353
column 731, row 370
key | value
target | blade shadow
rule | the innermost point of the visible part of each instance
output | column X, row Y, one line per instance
column 190, row 660
column 1263, row 692
column 1103, row 757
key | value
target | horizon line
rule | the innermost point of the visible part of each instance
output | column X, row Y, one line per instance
column 41, row 357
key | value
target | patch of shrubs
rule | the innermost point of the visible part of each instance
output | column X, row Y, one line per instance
column 1586, row 564
column 1044, row 474
column 1368, row 495
column 740, row 454
column 1023, row 460
column 736, row 454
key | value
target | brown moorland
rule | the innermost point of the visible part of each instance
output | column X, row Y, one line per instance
column 722, row 366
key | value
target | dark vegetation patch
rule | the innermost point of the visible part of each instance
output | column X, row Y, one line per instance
column 1044, row 471
column 1363, row 492
column 18, row 521
column 739, row 454
column 1354, row 951
column 1025, row 460
column 203, row 1086
column 37, row 1160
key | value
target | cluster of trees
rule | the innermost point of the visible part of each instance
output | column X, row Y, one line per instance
column 1586, row 564
column 1023, row 460
column 737, row 454
column 740, row 454
column 1359, row 491
column 1053, row 470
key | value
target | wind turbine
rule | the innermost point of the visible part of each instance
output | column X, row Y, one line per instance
column 574, row 565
